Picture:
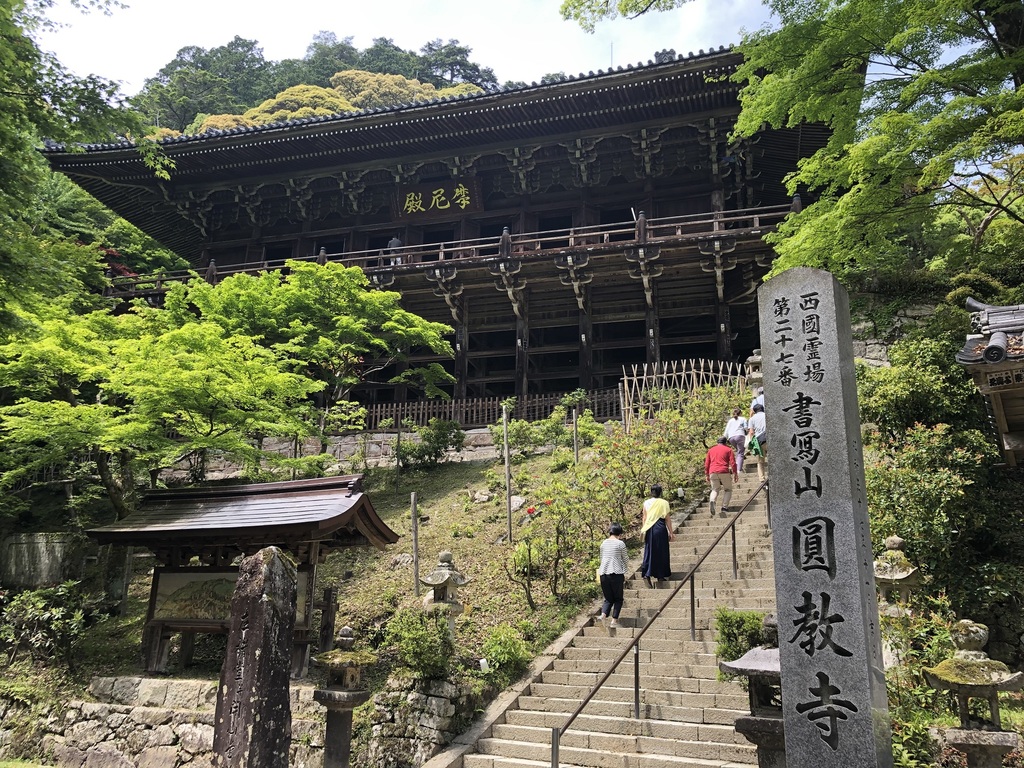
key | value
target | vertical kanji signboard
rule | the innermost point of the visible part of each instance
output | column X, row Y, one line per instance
column 833, row 683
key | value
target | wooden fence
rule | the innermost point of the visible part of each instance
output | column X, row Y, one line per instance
column 478, row 412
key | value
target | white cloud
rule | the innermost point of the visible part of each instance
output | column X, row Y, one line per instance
column 521, row 40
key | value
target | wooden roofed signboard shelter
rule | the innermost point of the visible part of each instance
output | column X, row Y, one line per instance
column 564, row 230
column 994, row 355
column 199, row 534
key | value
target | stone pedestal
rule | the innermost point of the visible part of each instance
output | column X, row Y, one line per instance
column 338, row 736
column 344, row 692
column 984, row 749
column 765, row 726
column 769, row 734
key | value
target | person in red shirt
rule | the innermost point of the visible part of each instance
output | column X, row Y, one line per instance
column 720, row 468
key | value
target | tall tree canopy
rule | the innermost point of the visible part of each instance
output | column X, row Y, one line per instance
column 39, row 99
column 924, row 100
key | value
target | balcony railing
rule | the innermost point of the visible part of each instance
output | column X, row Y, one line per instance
column 411, row 258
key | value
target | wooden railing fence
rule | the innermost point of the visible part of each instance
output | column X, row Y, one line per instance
column 477, row 412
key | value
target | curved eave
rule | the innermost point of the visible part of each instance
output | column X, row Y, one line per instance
column 333, row 513
column 569, row 108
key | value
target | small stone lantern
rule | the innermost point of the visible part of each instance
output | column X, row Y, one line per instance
column 765, row 725
column 344, row 692
column 445, row 581
column 971, row 674
column 896, row 578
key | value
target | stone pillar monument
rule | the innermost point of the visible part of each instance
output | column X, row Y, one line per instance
column 833, row 685
column 253, row 722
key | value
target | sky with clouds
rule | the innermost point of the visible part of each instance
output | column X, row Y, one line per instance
column 518, row 39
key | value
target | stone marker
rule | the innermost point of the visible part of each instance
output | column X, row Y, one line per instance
column 253, row 723
column 833, row 684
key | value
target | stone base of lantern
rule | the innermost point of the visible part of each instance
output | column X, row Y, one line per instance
column 769, row 736
column 984, row 749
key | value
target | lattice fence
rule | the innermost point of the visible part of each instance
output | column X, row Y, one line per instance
column 647, row 389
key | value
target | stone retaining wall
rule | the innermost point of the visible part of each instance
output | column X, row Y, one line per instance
column 150, row 723
column 168, row 723
column 413, row 720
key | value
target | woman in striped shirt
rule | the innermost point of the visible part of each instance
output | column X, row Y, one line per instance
column 614, row 561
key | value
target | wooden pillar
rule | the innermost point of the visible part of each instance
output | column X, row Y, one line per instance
column 586, row 350
column 652, row 331
column 462, row 351
column 522, row 351
column 723, row 330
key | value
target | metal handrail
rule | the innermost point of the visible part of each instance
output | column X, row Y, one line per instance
column 634, row 645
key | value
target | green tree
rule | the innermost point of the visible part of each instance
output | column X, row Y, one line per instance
column 327, row 321
column 387, row 58
column 298, row 102
column 136, row 393
column 224, row 79
column 372, row 90
column 446, row 64
column 39, row 98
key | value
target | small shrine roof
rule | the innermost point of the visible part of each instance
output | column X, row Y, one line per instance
column 331, row 511
column 997, row 335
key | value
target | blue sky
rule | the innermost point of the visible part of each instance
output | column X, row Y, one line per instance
column 518, row 39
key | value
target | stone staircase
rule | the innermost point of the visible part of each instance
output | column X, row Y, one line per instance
column 686, row 713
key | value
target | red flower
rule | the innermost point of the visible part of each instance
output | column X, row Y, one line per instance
column 547, row 501
column 530, row 510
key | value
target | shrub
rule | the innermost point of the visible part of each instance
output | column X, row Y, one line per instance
column 422, row 641
column 738, row 632
column 506, row 653
column 47, row 622
column 435, row 440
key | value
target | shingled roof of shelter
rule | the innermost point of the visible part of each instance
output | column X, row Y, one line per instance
column 332, row 511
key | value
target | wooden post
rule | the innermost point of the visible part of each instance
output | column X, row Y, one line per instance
column 415, row 546
column 586, row 371
column 508, row 470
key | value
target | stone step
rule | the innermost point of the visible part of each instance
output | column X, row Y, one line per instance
column 663, row 729
column 648, row 695
column 659, row 752
column 614, row 742
column 656, row 710
column 636, row 761
column 660, row 680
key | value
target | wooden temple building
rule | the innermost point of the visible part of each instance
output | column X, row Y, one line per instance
column 563, row 230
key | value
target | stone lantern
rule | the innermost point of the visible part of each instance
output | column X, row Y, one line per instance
column 896, row 578
column 445, row 581
column 765, row 724
column 344, row 692
column 971, row 674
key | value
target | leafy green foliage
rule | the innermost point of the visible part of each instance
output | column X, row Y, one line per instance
column 47, row 623
column 923, row 385
column 507, row 654
column 432, row 444
column 297, row 102
column 738, row 632
column 422, row 641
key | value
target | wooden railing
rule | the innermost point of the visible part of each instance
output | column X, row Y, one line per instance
column 478, row 412
column 415, row 258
